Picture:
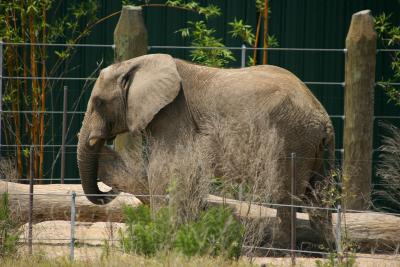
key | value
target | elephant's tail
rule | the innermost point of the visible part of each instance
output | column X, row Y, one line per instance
column 329, row 147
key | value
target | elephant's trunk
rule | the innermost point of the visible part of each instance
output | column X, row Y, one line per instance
column 88, row 158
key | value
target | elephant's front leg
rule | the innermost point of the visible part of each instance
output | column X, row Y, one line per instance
column 281, row 234
column 321, row 223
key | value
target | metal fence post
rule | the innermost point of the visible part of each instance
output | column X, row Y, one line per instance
column 1, row 89
column 240, row 191
column 30, row 216
column 293, row 209
column 73, row 213
column 64, row 133
column 339, row 231
column 243, row 57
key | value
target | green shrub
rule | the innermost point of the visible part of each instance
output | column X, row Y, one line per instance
column 145, row 234
column 215, row 233
column 334, row 261
column 9, row 231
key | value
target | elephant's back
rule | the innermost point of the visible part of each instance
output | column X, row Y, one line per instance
column 266, row 85
column 266, row 90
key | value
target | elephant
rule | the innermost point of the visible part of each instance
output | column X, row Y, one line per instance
column 167, row 96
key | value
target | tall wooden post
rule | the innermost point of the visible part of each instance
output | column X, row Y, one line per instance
column 130, row 39
column 359, row 110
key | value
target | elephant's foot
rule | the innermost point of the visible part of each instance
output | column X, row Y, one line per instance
column 281, row 235
column 321, row 223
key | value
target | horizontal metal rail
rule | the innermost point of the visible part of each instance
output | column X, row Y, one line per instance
column 40, row 112
column 56, row 179
column 45, row 145
column 33, row 145
column 387, row 50
column 287, row 250
column 48, row 78
column 85, row 195
column 83, row 112
column 249, row 48
column 93, row 79
column 59, row 44
column 344, row 50
column 342, row 84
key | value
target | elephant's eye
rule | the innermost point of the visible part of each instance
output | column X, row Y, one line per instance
column 97, row 102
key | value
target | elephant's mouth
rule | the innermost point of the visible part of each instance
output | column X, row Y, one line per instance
column 111, row 139
column 99, row 141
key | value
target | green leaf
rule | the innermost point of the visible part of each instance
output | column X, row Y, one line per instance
column 174, row 3
column 242, row 31
column 191, row 5
column 26, row 152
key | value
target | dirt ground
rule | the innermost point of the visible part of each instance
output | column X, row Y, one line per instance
column 52, row 239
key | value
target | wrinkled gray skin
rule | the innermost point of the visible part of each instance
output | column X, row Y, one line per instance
column 165, row 96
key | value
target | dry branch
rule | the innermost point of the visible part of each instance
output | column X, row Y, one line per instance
column 368, row 229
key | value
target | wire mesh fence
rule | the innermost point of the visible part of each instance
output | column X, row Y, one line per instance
column 72, row 238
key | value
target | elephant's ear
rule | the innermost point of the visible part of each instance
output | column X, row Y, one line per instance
column 152, row 83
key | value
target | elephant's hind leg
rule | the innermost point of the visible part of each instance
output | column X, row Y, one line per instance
column 281, row 231
column 321, row 215
column 281, row 236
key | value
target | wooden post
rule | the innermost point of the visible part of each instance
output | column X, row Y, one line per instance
column 130, row 40
column 359, row 110
column 130, row 34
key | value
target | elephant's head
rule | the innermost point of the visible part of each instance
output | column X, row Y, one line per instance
column 125, row 97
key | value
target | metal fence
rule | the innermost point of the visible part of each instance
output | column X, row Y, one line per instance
column 243, row 50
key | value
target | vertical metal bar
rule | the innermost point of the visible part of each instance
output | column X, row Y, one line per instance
column 73, row 214
column 64, row 130
column 243, row 57
column 293, row 209
column 240, row 191
column 1, row 90
column 31, row 180
column 339, row 231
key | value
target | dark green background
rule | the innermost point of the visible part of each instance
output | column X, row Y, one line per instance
column 295, row 23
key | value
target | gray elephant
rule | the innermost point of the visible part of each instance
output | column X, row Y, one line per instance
column 167, row 96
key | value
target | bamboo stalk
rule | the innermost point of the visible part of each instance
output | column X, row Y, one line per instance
column 256, row 40
column 25, row 74
column 265, row 45
column 43, row 95
column 11, row 59
column 17, row 106
column 34, row 130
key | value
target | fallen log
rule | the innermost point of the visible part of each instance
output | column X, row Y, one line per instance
column 368, row 231
column 53, row 202
column 371, row 230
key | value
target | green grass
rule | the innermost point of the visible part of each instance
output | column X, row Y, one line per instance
column 121, row 260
